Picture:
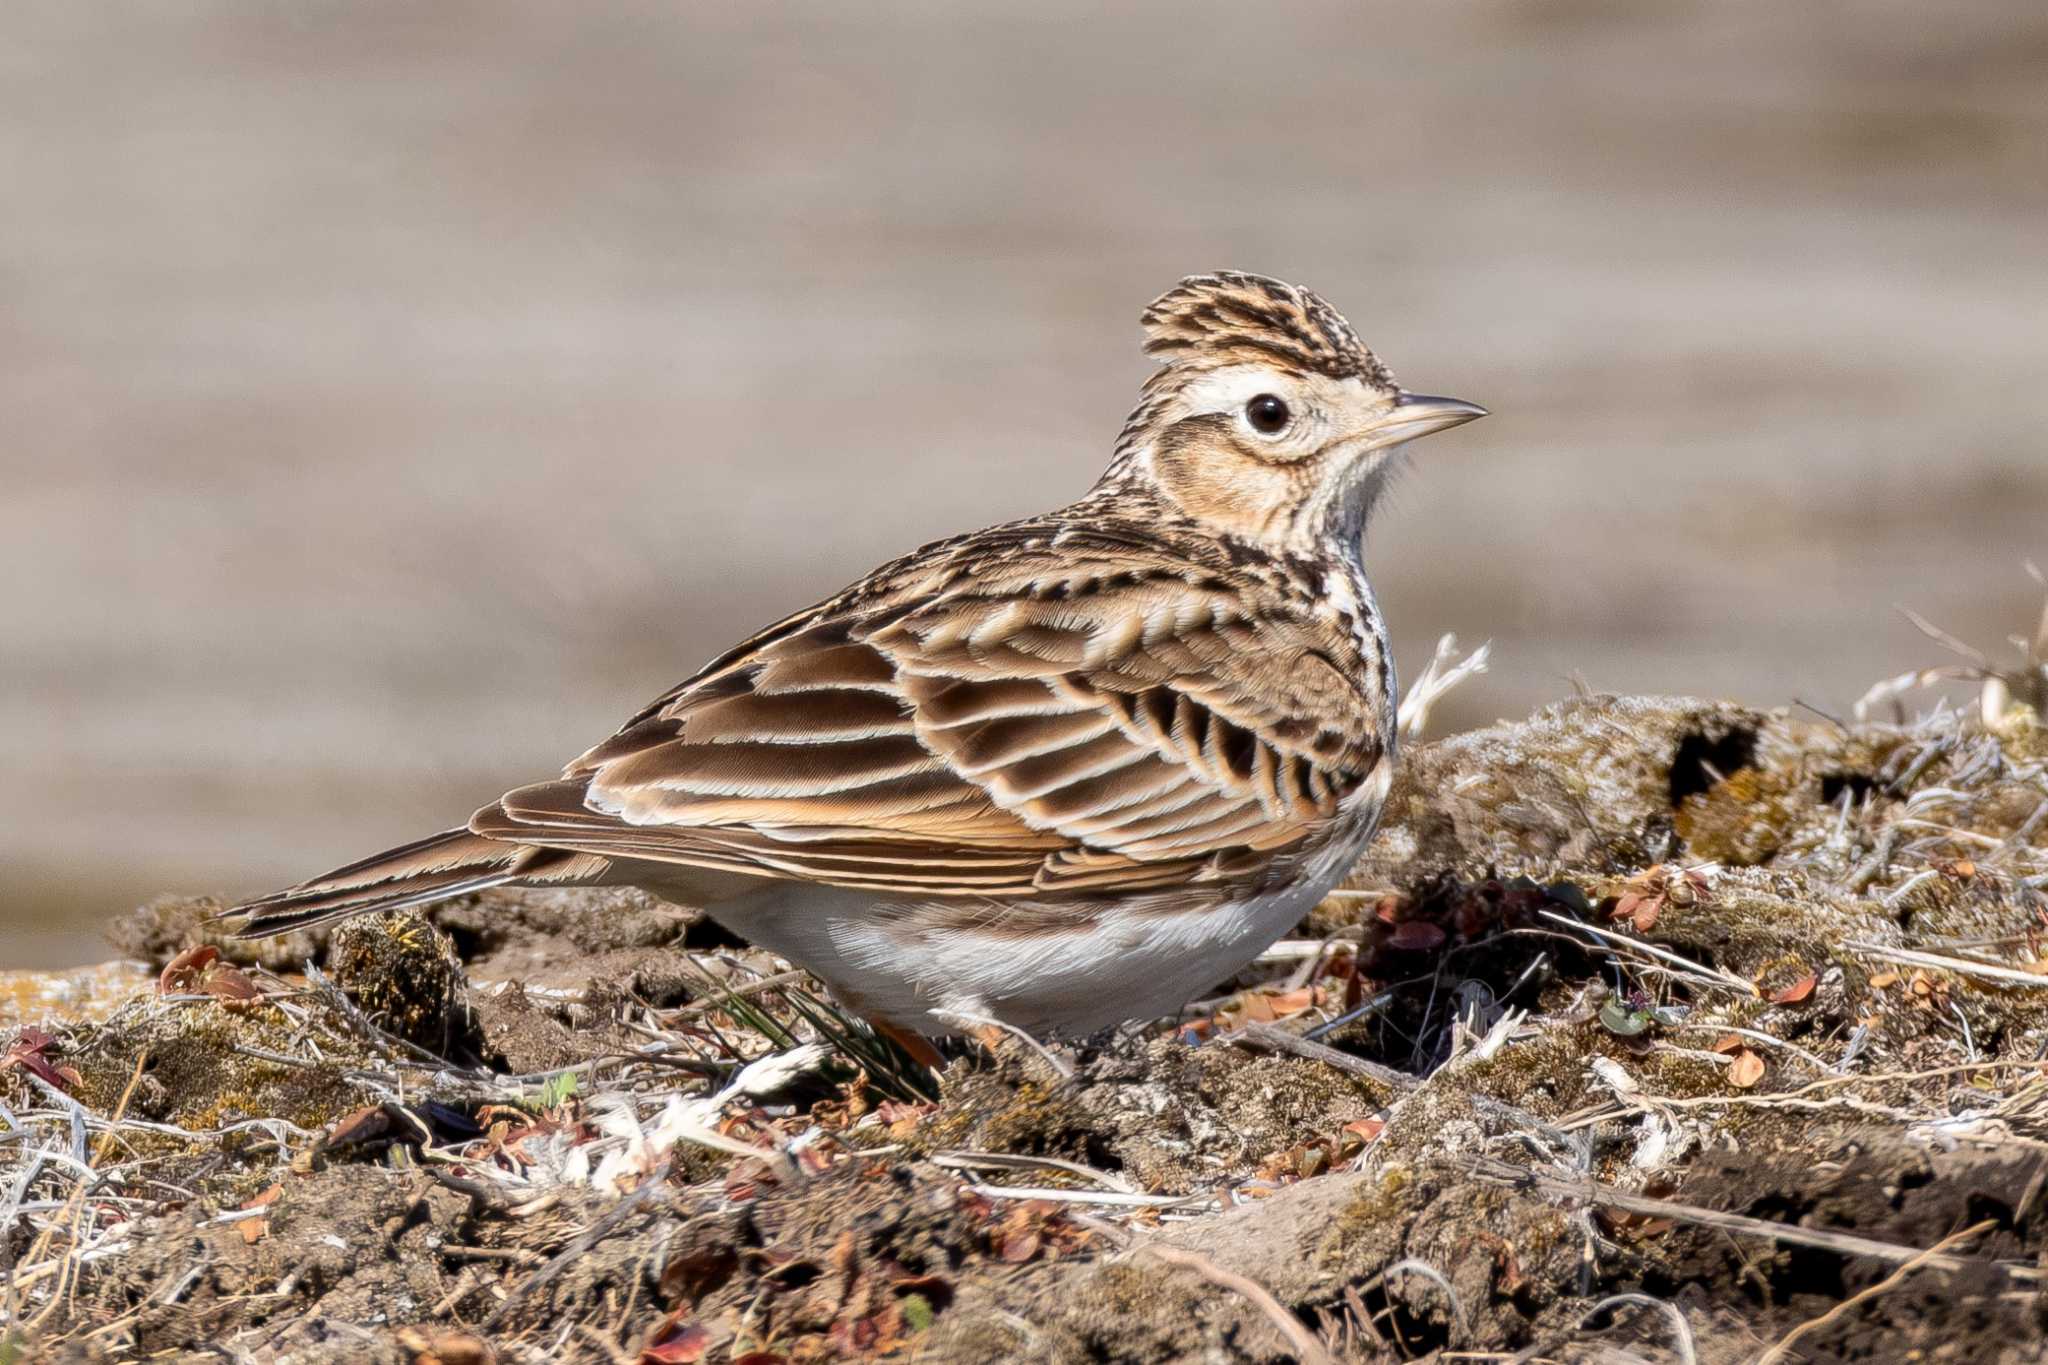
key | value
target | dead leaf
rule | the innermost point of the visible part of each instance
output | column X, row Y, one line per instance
column 1641, row 908
column 1415, row 936
column 254, row 1230
column 1635, row 1227
column 675, row 1342
column 199, row 971
column 1746, row 1070
column 26, row 1052
column 1727, row 1042
column 1019, row 1247
column 443, row 1348
column 1883, row 980
column 228, row 984
column 1255, row 1009
column 1797, row 991
column 180, row 975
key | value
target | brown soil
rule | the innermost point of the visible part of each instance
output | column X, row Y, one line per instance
column 450, row 1139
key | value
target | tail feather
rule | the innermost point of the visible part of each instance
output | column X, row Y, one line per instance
column 452, row 863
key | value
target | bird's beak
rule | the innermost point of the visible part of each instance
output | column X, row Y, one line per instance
column 1418, row 414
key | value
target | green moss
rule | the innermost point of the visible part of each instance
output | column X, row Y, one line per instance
column 994, row 1112
column 1743, row 820
column 1377, row 1218
column 1543, row 1075
column 195, row 1074
column 405, row 974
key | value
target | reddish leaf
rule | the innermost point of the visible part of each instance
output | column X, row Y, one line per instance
column 1415, row 936
column 1746, row 1070
column 1366, row 1129
column 199, row 971
column 1019, row 1247
column 254, row 1230
column 1254, row 1009
column 1728, row 1042
column 1795, row 992
column 26, row 1052
column 1287, row 1004
column 443, row 1348
column 180, row 975
column 676, row 1342
column 364, row 1125
column 1266, row 1006
column 228, row 983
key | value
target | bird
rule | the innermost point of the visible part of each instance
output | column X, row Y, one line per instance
column 1061, row 773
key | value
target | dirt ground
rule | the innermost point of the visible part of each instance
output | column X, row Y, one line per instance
column 1651, row 1030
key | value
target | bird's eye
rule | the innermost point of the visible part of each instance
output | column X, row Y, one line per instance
column 1267, row 414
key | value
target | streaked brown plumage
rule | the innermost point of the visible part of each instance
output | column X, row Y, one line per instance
column 1058, row 772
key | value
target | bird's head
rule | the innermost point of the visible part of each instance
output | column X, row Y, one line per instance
column 1268, row 419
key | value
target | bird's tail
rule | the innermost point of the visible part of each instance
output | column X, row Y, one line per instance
column 452, row 863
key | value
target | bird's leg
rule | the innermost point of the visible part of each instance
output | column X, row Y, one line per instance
column 997, row 1037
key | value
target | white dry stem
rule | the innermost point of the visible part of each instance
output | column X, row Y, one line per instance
column 1121, row 1198
column 1007, row 1161
column 1445, row 671
column 1681, row 1331
column 1783, row 1351
column 1612, row 938
column 1961, row 966
column 1470, row 1046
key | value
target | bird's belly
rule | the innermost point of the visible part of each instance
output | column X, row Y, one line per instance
column 1123, row 962
column 912, row 964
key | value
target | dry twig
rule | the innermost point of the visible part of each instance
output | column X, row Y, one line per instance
column 1842, row 1243
column 1933, row 1254
column 1306, row 1348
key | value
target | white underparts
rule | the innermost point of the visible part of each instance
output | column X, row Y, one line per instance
column 1132, row 960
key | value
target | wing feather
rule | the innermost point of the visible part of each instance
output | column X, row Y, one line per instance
column 1040, row 722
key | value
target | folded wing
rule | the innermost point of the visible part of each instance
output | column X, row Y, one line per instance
column 1057, row 723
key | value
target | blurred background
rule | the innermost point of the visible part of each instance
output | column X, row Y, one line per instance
column 395, row 396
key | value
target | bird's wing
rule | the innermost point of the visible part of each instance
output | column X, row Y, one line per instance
column 1048, row 722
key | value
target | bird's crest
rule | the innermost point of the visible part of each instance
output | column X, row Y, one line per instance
column 1231, row 318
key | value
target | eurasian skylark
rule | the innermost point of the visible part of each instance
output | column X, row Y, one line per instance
column 1061, row 772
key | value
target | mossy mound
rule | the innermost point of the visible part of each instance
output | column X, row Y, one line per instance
column 1643, row 1014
